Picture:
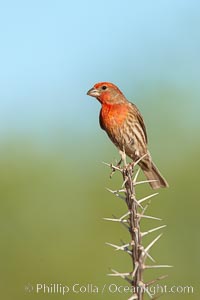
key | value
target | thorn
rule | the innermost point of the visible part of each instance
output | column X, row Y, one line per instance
column 152, row 230
column 155, row 280
column 109, row 165
column 144, row 181
column 137, row 161
column 109, row 190
column 118, row 191
column 148, row 217
column 121, row 219
column 136, row 176
column 148, row 197
column 144, row 209
column 115, row 220
column 123, row 248
column 113, row 245
column 112, row 166
column 144, row 252
column 153, row 242
column 115, row 274
column 116, row 167
column 122, row 275
column 136, row 201
column 157, row 266
column 116, row 194
column 125, row 215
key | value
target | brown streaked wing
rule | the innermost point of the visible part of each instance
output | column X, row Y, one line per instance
column 140, row 119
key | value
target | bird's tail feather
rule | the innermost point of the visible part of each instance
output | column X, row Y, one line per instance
column 152, row 173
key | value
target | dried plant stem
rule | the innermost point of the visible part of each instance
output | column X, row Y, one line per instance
column 131, row 221
column 134, row 228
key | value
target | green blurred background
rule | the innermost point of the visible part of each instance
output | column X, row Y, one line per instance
column 52, row 180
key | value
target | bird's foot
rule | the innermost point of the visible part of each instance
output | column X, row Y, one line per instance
column 115, row 168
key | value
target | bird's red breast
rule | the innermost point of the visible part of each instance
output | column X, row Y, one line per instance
column 113, row 115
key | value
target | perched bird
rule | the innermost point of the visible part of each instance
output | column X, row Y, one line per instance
column 125, row 127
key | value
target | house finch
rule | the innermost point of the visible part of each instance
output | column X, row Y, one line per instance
column 125, row 127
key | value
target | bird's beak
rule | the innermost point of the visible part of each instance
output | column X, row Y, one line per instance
column 93, row 92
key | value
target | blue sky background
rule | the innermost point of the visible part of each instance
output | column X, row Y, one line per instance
column 52, row 52
column 52, row 181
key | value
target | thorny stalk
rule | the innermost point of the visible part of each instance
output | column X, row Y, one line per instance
column 131, row 221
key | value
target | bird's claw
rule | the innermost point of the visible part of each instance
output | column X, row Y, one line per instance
column 112, row 173
column 114, row 169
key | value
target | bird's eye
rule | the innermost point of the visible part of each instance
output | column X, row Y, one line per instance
column 104, row 87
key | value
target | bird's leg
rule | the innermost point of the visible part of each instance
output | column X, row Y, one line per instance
column 123, row 157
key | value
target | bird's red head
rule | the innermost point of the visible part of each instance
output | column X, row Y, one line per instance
column 106, row 93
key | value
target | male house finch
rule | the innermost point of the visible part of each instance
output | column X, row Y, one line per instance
column 125, row 127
